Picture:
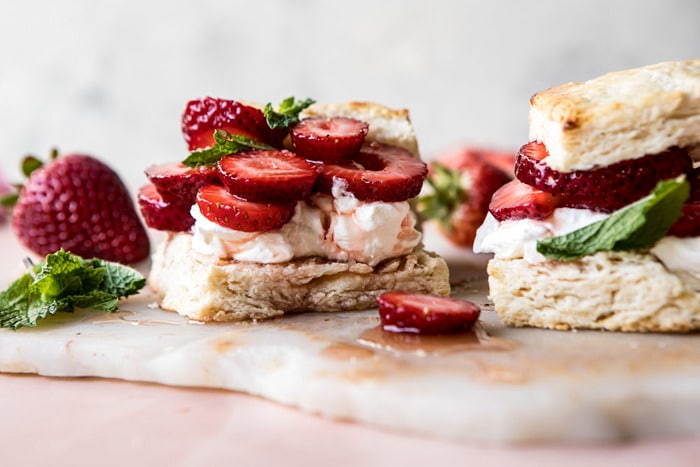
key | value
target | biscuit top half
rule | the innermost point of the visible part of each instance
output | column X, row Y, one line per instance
column 618, row 116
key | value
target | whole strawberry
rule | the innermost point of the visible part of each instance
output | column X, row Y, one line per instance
column 462, row 184
column 78, row 203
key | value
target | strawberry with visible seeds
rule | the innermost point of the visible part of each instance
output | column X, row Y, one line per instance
column 268, row 176
column 330, row 140
column 516, row 200
column 178, row 184
column 425, row 313
column 78, row 203
column 604, row 189
column 379, row 172
column 219, row 206
column 162, row 215
column 462, row 184
column 205, row 115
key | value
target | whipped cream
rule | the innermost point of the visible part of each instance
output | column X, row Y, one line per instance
column 518, row 238
column 513, row 239
column 337, row 227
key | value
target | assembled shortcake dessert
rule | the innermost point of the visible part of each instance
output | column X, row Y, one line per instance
column 304, row 208
column 601, row 229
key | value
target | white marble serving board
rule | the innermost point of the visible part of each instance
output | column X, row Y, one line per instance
column 515, row 385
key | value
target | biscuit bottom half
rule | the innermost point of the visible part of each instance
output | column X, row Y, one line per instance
column 615, row 291
column 206, row 288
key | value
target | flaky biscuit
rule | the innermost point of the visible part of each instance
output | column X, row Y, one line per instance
column 615, row 291
column 620, row 115
column 205, row 288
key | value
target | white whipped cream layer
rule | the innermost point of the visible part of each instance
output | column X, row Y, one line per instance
column 512, row 239
column 338, row 227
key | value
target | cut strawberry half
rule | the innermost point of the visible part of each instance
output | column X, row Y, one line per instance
column 379, row 172
column 227, row 210
column 203, row 116
column 178, row 184
column 425, row 313
column 516, row 200
column 161, row 215
column 331, row 140
column 268, row 176
column 604, row 189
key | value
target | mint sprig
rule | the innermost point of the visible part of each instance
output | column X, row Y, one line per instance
column 224, row 144
column 287, row 113
column 63, row 282
column 634, row 227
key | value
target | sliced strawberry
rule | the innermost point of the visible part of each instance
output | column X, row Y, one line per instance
column 227, row 210
column 178, row 184
column 516, row 200
column 268, row 176
column 331, row 140
column 378, row 173
column 203, row 116
column 425, row 313
column 688, row 225
column 161, row 215
column 604, row 189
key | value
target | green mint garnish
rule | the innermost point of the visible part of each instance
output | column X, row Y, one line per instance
column 63, row 282
column 447, row 194
column 634, row 227
column 224, row 144
column 287, row 114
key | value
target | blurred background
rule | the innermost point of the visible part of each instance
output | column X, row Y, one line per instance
column 111, row 78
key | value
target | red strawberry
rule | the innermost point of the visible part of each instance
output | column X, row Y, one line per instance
column 227, row 210
column 425, row 313
column 606, row 188
column 688, row 225
column 379, row 173
column 516, row 200
column 268, row 176
column 78, row 203
column 203, row 116
column 178, row 184
column 161, row 215
column 462, row 184
column 331, row 140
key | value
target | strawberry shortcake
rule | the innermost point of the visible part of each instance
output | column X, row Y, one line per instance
column 301, row 208
column 601, row 228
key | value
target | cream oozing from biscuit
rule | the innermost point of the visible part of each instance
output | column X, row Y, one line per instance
column 338, row 227
column 514, row 239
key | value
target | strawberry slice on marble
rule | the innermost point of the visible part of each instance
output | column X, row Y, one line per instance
column 330, row 140
column 268, row 176
column 425, row 313
column 379, row 172
column 227, row 210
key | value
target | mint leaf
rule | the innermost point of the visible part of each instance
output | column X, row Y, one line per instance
column 634, row 227
column 224, row 144
column 287, row 114
column 63, row 282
